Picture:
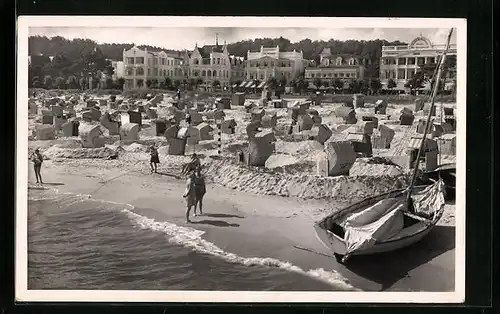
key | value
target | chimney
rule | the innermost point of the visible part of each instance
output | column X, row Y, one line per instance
column 216, row 39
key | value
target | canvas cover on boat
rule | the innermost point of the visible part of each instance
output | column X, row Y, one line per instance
column 384, row 219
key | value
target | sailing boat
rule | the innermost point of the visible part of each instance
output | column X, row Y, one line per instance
column 388, row 221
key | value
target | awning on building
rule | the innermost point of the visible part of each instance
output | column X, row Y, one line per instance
column 243, row 83
column 248, row 84
column 252, row 86
column 261, row 85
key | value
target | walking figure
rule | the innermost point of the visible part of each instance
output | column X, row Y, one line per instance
column 37, row 160
column 155, row 159
column 195, row 191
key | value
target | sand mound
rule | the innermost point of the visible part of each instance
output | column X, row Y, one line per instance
column 135, row 148
column 260, row 181
column 298, row 148
column 280, row 160
column 80, row 153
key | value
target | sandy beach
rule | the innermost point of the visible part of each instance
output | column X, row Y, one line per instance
column 253, row 225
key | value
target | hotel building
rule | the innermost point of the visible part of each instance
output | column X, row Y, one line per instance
column 143, row 65
column 237, row 69
column 401, row 62
column 271, row 62
column 210, row 63
column 331, row 67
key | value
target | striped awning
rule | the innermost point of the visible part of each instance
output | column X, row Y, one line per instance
column 243, row 83
column 252, row 86
column 248, row 84
column 261, row 85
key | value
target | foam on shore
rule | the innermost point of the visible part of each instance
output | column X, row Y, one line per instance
column 192, row 238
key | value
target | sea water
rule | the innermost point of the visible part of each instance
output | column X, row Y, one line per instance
column 76, row 242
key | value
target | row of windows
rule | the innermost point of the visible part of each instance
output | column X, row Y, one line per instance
column 210, row 73
column 155, row 72
column 341, row 74
column 339, row 61
column 409, row 61
column 155, row 61
column 282, row 64
column 238, row 74
column 263, row 76
column 214, row 61
column 403, row 74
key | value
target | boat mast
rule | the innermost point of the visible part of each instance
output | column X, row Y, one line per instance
column 434, row 93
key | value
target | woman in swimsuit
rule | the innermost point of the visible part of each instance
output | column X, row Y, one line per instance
column 37, row 160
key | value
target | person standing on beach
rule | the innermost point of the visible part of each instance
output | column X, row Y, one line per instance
column 155, row 159
column 199, row 190
column 189, row 194
column 37, row 160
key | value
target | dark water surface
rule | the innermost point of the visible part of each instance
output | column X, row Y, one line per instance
column 79, row 243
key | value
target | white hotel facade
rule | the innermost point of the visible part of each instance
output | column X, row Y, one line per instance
column 400, row 63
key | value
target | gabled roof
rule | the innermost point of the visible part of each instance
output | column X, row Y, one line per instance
column 206, row 50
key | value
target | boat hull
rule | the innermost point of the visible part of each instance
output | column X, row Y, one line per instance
column 338, row 246
column 406, row 237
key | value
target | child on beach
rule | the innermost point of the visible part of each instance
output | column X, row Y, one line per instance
column 155, row 159
column 37, row 160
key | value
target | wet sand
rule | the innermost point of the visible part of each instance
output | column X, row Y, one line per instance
column 265, row 226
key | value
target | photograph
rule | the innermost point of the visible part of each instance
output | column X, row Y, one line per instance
column 240, row 159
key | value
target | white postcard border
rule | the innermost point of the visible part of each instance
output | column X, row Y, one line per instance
column 21, row 265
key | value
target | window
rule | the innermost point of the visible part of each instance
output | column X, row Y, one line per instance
column 130, row 71
column 149, row 72
column 214, row 74
column 420, row 61
column 164, row 72
column 171, row 73
column 352, row 61
column 401, row 74
column 213, row 60
column 411, row 61
column 257, row 64
column 130, row 60
column 149, row 62
column 155, row 72
column 272, row 63
column 329, row 74
column 341, row 74
column 431, row 60
column 209, row 73
column 195, row 73
column 401, row 61
column 139, row 60
column 218, row 60
column 335, row 75
column 262, row 76
column 139, row 71
column 196, row 61
column 203, row 73
column 265, row 64
column 338, row 61
column 312, row 75
column 324, row 75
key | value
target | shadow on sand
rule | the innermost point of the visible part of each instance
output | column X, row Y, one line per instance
column 53, row 184
column 168, row 175
column 222, row 216
column 216, row 223
column 388, row 268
